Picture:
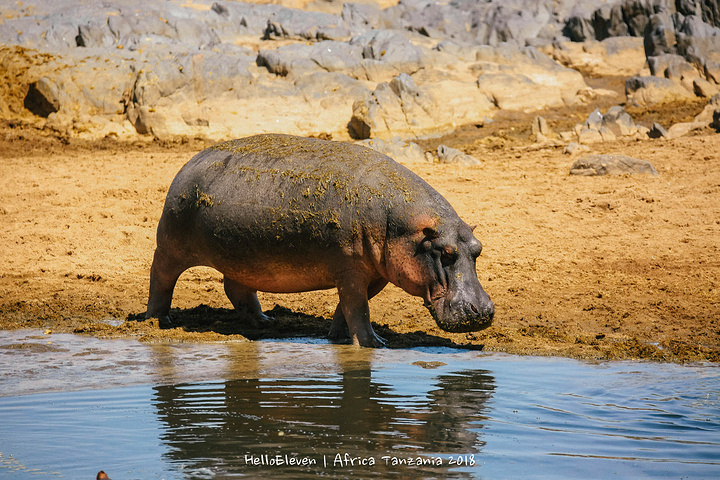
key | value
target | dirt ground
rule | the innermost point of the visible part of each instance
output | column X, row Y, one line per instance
column 610, row 267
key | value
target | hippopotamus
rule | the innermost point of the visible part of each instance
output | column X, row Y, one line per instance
column 284, row 214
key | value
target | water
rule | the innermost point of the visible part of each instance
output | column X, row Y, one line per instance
column 305, row 409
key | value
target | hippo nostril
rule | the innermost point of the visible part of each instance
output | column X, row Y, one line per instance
column 474, row 309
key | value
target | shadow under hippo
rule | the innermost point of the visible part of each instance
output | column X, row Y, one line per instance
column 284, row 214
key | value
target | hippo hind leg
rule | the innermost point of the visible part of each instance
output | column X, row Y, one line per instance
column 244, row 300
column 340, row 328
column 164, row 274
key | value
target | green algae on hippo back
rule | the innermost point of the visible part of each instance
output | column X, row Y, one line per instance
column 280, row 213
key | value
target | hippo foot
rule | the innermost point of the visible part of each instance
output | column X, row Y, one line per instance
column 166, row 322
column 371, row 341
column 260, row 320
column 339, row 334
column 163, row 321
column 377, row 341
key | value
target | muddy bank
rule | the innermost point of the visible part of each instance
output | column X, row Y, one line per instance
column 590, row 267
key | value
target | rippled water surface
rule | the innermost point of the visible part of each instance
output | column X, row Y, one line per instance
column 70, row 406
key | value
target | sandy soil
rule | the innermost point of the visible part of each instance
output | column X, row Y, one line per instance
column 590, row 267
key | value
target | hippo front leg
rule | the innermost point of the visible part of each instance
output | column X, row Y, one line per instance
column 339, row 327
column 356, row 312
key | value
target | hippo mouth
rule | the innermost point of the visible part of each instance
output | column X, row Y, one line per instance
column 460, row 316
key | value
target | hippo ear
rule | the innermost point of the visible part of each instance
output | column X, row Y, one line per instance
column 472, row 227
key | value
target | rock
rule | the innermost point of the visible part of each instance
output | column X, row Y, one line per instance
column 301, row 59
column 612, row 56
column 682, row 129
column 604, row 128
column 611, row 165
column 657, row 131
column 360, row 17
column 395, row 108
column 716, row 120
column 566, row 136
column 398, row 150
column 479, row 23
column 670, row 66
column 589, row 135
column 43, row 97
column 147, row 121
column 619, row 122
column 305, row 25
column 391, row 49
column 540, row 127
column 712, row 72
column 659, row 35
column 233, row 20
column 452, row 155
column 405, row 108
column 594, row 120
column 703, row 88
column 573, row 147
column 706, row 116
column 642, row 90
column 607, row 134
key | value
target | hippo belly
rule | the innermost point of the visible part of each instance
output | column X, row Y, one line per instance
column 283, row 214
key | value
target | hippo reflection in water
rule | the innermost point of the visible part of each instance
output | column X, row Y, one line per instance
column 279, row 213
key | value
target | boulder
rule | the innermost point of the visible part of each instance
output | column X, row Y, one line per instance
column 683, row 128
column 395, row 108
column 657, row 131
column 645, row 90
column 405, row 108
column 540, row 127
column 716, row 120
column 305, row 25
column 599, row 127
column 361, row 17
column 619, row 122
column 388, row 53
column 669, row 65
column 301, row 59
column 611, row 165
column 43, row 97
column 703, row 88
column 573, row 148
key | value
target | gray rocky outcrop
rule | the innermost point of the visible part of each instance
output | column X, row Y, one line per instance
column 681, row 42
column 218, row 69
column 222, row 69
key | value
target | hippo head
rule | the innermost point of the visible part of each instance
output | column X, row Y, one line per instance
column 436, row 261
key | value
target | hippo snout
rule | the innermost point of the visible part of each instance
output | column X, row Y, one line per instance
column 461, row 316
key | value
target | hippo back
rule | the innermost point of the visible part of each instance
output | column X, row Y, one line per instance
column 282, row 193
